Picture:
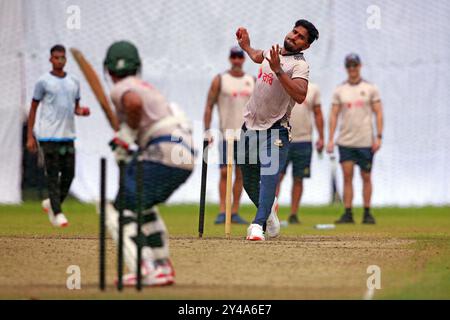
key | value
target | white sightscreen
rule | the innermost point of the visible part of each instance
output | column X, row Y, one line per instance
column 185, row 43
column 12, row 111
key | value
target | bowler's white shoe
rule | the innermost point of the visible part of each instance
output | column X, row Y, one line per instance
column 255, row 233
column 47, row 207
column 60, row 220
column 273, row 223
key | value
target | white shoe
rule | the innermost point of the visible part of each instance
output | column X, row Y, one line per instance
column 60, row 220
column 273, row 223
column 255, row 233
column 47, row 207
column 163, row 275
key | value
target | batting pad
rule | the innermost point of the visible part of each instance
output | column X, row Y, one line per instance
column 154, row 229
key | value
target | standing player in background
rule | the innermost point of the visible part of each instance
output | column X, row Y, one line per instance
column 230, row 91
column 164, row 139
column 355, row 101
column 300, row 149
column 282, row 82
column 59, row 93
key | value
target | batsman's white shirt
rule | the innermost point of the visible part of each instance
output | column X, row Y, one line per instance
column 301, row 116
column 155, row 108
column 57, row 97
column 356, row 113
column 270, row 102
column 233, row 96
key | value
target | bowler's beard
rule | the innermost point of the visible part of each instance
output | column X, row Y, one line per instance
column 289, row 48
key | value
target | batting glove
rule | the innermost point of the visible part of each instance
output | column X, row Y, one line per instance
column 123, row 144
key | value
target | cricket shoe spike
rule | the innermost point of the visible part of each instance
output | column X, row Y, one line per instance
column 273, row 223
column 255, row 233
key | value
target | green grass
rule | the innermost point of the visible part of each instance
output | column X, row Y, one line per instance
column 417, row 223
column 429, row 226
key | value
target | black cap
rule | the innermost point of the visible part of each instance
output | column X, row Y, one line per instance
column 236, row 51
column 352, row 58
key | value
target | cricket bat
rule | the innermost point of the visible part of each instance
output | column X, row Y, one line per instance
column 96, row 86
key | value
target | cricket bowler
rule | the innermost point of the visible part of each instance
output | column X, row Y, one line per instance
column 163, row 138
column 355, row 102
column 58, row 94
column 264, row 144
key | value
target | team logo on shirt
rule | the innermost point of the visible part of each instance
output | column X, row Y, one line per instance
column 243, row 93
column 354, row 104
column 363, row 93
column 267, row 78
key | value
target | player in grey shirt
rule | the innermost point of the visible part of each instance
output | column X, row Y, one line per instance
column 263, row 147
column 59, row 96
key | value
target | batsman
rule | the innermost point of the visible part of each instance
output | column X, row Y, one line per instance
column 162, row 140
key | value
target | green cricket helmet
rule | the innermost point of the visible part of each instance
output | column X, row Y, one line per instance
column 122, row 59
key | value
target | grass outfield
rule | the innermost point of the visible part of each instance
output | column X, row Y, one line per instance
column 423, row 235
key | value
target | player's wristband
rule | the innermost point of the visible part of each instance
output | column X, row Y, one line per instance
column 279, row 73
column 380, row 136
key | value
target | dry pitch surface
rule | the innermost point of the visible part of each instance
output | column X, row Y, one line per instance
column 288, row 268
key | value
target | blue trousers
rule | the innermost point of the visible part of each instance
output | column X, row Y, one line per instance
column 262, row 155
column 159, row 182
